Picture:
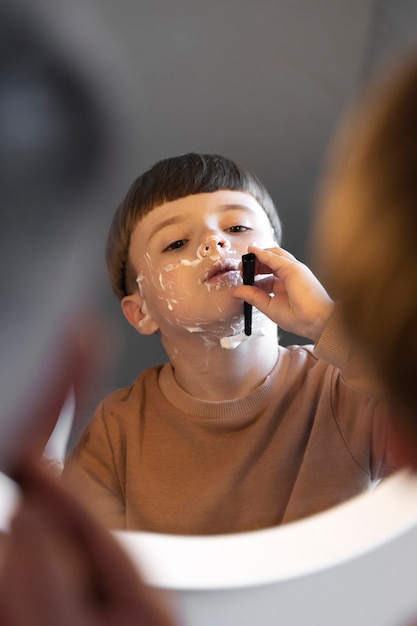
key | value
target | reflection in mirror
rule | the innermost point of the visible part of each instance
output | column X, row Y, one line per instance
column 298, row 499
column 286, row 433
column 235, row 432
column 285, row 155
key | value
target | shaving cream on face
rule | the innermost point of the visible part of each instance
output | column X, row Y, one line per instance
column 231, row 279
column 233, row 341
column 142, row 322
column 230, row 342
column 158, row 279
column 212, row 249
column 170, row 267
column 209, row 249
column 188, row 324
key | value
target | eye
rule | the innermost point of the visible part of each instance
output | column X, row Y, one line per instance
column 238, row 229
column 175, row 245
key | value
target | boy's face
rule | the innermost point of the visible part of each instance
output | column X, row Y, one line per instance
column 186, row 255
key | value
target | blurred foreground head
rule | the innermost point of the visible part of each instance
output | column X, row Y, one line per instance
column 56, row 146
column 366, row 237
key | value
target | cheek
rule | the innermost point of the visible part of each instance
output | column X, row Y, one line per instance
column 260, row 240
column 164, row 289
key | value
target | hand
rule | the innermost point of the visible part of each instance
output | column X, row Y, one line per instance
column 61, row 567
column 288, row 293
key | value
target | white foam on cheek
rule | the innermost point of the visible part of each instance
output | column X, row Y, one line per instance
column 263, row 245
column 164, row 285
column 209, row 342
column 171, row 302
column 161, row 280
column 169, row 268
column 152, row 270
column 158, row 280
column 139, row 280
column 185, row 262
column 234, row 279
column 233, row 341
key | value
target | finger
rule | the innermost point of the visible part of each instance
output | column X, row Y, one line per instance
column 254, row 296
column 12, row 579
column 274, row 250
column 66, row 513
column 117, row 585
column 275, row 260
column 269, row 283
column 40, row 583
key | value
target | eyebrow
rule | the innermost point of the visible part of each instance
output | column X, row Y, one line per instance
column 178, row 219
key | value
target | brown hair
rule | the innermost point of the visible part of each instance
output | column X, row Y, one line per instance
column 368, row 240
column 169, row 180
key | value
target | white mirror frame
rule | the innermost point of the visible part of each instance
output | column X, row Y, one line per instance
column 353, row 564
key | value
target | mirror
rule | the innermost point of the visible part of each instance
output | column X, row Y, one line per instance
column 298, row 573
column 264, row 85
column 267, row 89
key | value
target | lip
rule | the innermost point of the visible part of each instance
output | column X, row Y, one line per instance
column 221, row 268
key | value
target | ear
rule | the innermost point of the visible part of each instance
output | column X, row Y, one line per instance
column 135, row 311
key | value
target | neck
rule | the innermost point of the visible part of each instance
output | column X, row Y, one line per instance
column 206, row 370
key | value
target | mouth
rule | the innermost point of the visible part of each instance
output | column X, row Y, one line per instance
column 222, row 269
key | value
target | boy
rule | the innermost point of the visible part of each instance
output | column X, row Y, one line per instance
column 235, row 432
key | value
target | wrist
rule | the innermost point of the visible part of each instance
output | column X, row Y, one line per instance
column 334, row 344
column 321, row 321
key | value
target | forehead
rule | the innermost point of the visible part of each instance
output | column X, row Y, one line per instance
column 195, row 209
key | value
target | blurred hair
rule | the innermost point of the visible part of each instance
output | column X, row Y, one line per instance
column 367, row 229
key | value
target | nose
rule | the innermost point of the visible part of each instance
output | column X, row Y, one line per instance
column 213, row 245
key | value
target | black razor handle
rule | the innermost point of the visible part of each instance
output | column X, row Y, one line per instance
column 248, row 272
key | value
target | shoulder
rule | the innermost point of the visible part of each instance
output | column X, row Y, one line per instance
column 120, row 412
column 124, row 405
column 147, row 380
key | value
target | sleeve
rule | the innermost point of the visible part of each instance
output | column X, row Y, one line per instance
column 336, row 347
column 363, row 422
column 358, row 400
column 92, row 470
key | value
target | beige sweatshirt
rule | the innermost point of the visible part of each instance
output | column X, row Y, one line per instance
column 157, row 459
